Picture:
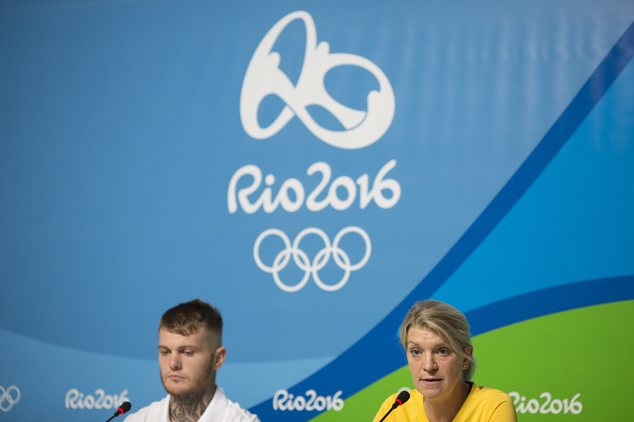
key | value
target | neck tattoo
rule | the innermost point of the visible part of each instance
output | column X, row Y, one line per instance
column 190, row 408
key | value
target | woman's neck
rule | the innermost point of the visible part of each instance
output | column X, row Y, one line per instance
column 445, row 409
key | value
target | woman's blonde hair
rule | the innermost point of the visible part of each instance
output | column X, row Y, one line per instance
column 446, row 321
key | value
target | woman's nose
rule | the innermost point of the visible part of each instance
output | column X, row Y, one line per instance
column 429, row 364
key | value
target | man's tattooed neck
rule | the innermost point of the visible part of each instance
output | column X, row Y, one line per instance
column 190, row 408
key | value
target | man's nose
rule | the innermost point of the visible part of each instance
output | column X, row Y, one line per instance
column 175, row 362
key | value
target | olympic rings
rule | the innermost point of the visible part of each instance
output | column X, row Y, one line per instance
column 5, row 395
column 319, row 261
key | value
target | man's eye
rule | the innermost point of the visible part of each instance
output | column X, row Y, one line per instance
column 188, row 353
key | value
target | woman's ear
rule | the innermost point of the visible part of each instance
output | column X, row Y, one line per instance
column 469, row 352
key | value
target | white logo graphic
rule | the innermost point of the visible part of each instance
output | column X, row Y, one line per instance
column 101, row 400
column 549, row 406
column 284, row 401
column 321, row 258
column 266, row 201
column 264, row 77
column 9, row 397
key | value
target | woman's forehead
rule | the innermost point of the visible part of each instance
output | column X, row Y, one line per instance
column 424, row 334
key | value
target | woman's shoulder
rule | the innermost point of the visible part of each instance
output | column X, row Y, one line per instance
column 489, row 404
column 487, row 393
column 484, row 391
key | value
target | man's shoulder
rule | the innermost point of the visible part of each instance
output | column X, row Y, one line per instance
column 153, row 412
column 232, row 411
column 235, row 413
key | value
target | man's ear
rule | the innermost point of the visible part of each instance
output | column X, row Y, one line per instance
column 219, row 357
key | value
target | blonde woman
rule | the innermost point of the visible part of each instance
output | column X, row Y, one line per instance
column 437, row 342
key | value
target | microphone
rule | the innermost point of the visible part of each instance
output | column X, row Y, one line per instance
column 402, row 397
column 125, row 407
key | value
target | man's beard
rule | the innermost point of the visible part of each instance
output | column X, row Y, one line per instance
column 199, row 385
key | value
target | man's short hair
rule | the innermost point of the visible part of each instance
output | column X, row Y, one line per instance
column 187, row 318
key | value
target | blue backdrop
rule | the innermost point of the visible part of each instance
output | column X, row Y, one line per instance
column 311, row 169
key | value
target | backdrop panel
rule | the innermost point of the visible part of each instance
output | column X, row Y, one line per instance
column 312, row 170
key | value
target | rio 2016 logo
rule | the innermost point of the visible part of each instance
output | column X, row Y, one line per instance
column 101, row 400
column 266, row 201
column 264, row 77
column 282, row 400
column 549, row 405
column 239, row 198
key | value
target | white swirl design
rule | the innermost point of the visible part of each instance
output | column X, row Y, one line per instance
column 319, row 261
column 264, row 77
column 10, row 396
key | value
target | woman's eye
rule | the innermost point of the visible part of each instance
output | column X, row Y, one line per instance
column 443, row 351
column 415, row 352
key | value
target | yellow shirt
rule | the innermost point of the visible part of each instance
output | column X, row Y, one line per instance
column 483, row 404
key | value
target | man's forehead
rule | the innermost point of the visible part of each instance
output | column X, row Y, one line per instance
column 201, row 335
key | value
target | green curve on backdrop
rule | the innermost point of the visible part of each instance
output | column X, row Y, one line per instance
column 585, row 352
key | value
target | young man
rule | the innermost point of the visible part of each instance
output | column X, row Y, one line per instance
column 190, row 353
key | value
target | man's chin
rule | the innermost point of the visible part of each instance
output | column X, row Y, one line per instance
column 177, row 390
